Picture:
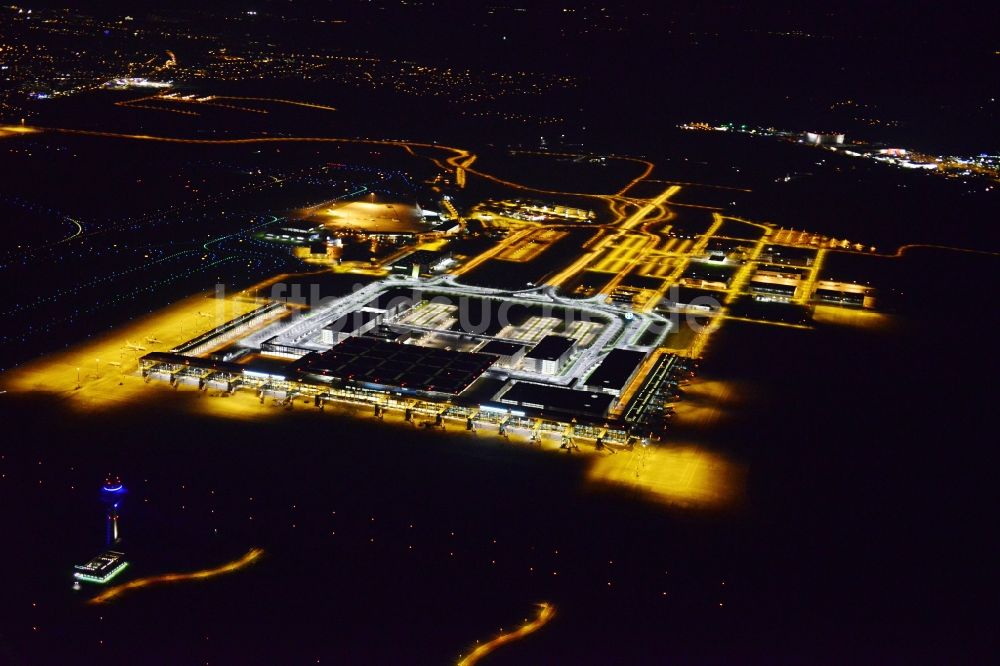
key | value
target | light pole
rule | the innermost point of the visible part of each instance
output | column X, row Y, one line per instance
column 78, row 378
column 98, row 368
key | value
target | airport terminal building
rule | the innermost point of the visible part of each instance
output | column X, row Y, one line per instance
column 615, row 372
column 550, row 355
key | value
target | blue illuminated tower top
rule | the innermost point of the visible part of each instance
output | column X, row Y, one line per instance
column 112, row 494
column 113, row 491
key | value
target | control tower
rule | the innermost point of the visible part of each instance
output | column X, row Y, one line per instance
column 110, row 563
column 112, row 495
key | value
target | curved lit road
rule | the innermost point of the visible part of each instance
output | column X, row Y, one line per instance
column 248, row 558
column 546, row 612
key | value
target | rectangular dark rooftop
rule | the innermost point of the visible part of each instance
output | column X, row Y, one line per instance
column 792, row 252
column 616, row 369
column 709, row 272
column 782, row 268
column 422, row 257
column 394, row 297
column 500, row 348
column 558, row 399
column 774, row 287
column 391, row 364
column 551, row 347
column 193, row 361
column 691, row 296
column 853, row 296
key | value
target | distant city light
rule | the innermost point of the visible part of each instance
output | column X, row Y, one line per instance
column 137, row 82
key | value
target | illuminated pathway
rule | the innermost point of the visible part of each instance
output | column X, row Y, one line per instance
column 903, row 248
column 460, row 158
column 79, row 230
column 135, row 104
column 627, row 224
column 500, row 247
column 685, row 260
column 641, row 214
column 249, row 558
column 806, row 291
column 15, row 130
column 739, row 280
column 224, row 142
column 308, row 105
column 458, row 153
column 209, row 101
column 546, row 612
column 692, row 184
column 647, row 165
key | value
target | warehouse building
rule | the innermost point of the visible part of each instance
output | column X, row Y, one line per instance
column 354, row 323
column 393, row 303
column 380, row 365
column 509, row 354
column 615, row 372
column 774, row 287
column 422, row 263
column 555, row 399
column 549, row 355
column 788, row 256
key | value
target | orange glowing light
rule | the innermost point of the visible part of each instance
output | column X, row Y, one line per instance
column 249, row 558
column 546, row 612
column 683, row 475
column 9, row 130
